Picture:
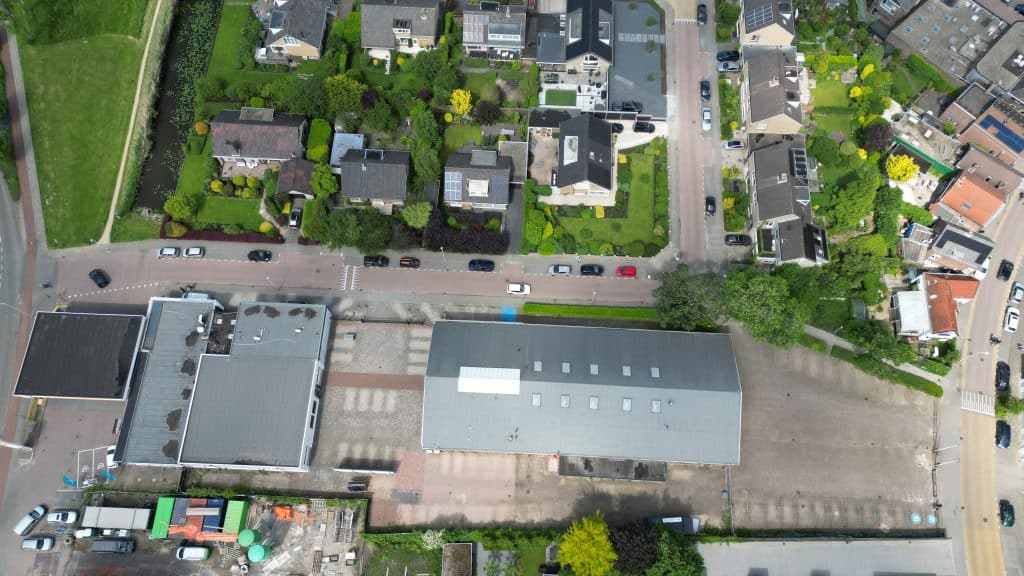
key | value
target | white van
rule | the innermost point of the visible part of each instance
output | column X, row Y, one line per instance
column 194, row 553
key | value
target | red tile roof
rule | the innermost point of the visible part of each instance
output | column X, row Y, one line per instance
column 944, row 292
column 973, row 198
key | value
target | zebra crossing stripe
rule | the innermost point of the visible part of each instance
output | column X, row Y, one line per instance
column 977, row 402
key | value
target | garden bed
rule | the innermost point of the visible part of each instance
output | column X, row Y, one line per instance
column 219, row 236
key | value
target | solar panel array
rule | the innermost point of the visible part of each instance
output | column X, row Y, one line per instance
column 453, row 186
column 799, row 156
column 277, row 19
column 758, row 17
column 1008, row 137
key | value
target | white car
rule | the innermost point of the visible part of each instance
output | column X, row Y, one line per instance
column 729, row 67
column 195, row 252
column 85, row 533
column 518, row 288
column 733, row 144
column 168, row 252
column 705, row 119
column 110, row 457
column 24, row 526
column 39, row 543
column 1017, row 293
column 62, row 517
column 1012, row 318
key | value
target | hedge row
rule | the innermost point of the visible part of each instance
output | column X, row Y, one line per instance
column 622, row 313
column 884, row 371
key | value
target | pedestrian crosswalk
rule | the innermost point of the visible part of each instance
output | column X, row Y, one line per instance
column 348, row 278
column 978, row 402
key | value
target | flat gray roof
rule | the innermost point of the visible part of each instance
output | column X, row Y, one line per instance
column 917, row 557
column 279, row 330
column 248, row 411
column 637, row 74
column 603, row 392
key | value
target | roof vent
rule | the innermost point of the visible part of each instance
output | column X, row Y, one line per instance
column 627, row 371
column 536, row 398
column 655, row 372
column 538, row 365
column 364, row 167
column 593, row 369
column 566, row 368
column 594, row 402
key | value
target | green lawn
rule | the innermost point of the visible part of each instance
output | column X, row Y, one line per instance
column 398, row 562
column 194, row 170
column 224, row 58
column 832, row 106
column 476, row 82
column 645, row 314
column 530, row 558
column 80, row 94
column 225, row 211
column 886, row 372
column 132, row 227
column 560, row 98
column 639, row 222
column 457, row 136
column 905, row 83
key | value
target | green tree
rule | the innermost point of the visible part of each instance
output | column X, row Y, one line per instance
column 417, row 215
column 380, row 117
column 587, row 548
column 323, row 182
column 374, row 231
column 462, row 101
column 304, row 95
column 424, row 126
column 316, row 223
column 854, row 203
column 534, row 227
column 317, row 153
column 351, row 30
column 445, row 81
column 344, row 93
column 900, row 167
column 688, row 302
column 182, row 207
column 763, row 304
column 426, row 162
column 676, row 557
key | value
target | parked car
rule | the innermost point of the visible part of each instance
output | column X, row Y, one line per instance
column 1006, row 516
column 709, row 205
column 733, row 145
column 626, row 271
column 728, row 56
column 1020, row 9
column 627, row 106
column 85, row 533
column 99, row 278
column 37, row 544
column 729, row 67
column 617, row 128
column 1017, row 293
column 481, row 265
column 702, row 14
column 705, row 90
column 62, row 517
column 1002, row 377
column 409, row 262
column 111, row 464
column 168, row 252
column 705, row 119
column 24, row 526
column 643, row 127
column 1012, row 318
column 193, row 553
column 737, row 240
column 1005, row 270
column 376, row 261
column 591, row 270
column 295, row 217
column 195, row 252
column 560, row 270
column 260, row 256
column 518, row 288
column 1003, row 434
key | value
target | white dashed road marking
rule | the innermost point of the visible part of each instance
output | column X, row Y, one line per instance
column 347, row 272
column 120, row 289
column 978, row 402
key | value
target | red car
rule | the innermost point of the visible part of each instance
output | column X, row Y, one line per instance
column 626, row 271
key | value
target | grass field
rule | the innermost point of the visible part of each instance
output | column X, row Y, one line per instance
column 61, row 21
column 457, row 136
column 396, row 562
column 640, row 217
column 224, row 58
column 645, row 314
column 194, row 168
column 476, row 82
column 80, row 94
column 530, row 558
column 560, row 98
column 227, row 211
column 832, row 107
column 132, row 227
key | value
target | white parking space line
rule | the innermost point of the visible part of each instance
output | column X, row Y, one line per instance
column 343, row 278
column 355, row 278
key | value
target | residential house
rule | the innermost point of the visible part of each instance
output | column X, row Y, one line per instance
column 477, row 181
column 494, row 31
column 975, row 198
column 917, row 240
column 586, row 163
column 292, row 30
column 408, row 26
column 799, row 242
column 970, row 104
column 582, row 46
column 958, row 249
column 771, row 93
column 380, row 177
column 249, row 140
column 929, row 312
column 340, row 146
column 296, row 178
column 767, row 23
column 889, row 12
column 1000, row 130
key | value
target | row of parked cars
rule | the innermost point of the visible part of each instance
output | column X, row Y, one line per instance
column 1010, row 321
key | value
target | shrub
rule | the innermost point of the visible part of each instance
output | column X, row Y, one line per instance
column 182, row 207
column 317, row 153
column 494, row 225
column 266, row 227
column 175, row 229
column 635, row 249
column 233, row 229
column 548, row 247
column 202, row 128
column 598, row 211
column 238, row 180
column 252, row 182
column 217, row 186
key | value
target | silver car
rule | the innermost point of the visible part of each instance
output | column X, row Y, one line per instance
column 705, row 119
column 729, row 67
column 560, row 270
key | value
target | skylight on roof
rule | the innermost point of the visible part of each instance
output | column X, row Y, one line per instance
column 564, row 402
column 593, row 369
column 536, row 398
column 538, row 366
column 566, row 368
column 478, row 380
column 655, row 372
column 627, row 404
column 594, row 402
column 656, row 406
column 627, row 371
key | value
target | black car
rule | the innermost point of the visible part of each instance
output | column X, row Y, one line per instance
column 728, row 56
column 376, row 261
column 617, row 128
column 409, row 262
column 709, row 205
column 1006, row 516
column 1003, row 434
column 1002, row 377
column 702, row 14
column 627, row 106
column 1019, row 8
column 481, row 265
column 705, row 90
column 737, row 240
column 1005, row 270
column 259, row 256
column 99, row 278
column 643, row 127
column 591, row 270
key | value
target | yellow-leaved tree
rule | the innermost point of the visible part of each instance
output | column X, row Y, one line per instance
column 587, row 547
column 900, row 167
column 462, row 101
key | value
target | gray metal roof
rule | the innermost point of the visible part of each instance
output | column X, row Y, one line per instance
column 74, row 355
column 342, row 144
column 379, row 18
column 382, row 174
column 590, row 139
column 249, row 411
column 303, row 20
column 464, row 175
column 683, row 392
column 154, row 426
column 773, row 83
column 840, row 557
column 280, row 330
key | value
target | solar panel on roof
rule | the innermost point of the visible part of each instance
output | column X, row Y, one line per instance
column 453, row 186
column 759, row 16
column 277, row 19
column 1012, row 140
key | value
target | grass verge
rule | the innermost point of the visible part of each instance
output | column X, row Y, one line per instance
column 886, row 372
column 929, row 365
column 218, row 210
column 132, row 226
column 570, row 311
column 813, row 343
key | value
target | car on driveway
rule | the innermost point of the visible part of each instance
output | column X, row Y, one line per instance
column 376, row 261
column 260, row 255
column 560, row 270
column 518, row 289
column 481, row 265
column 99, row 278
column 733, row 145
column 1017, row 293
column 37, row 544
column 295, row 218
column 409, row 262
column 729, row 67
column 705, row 119
column 1006, row 516
column 705, row 91
column 1011, row 319
column 1002, row 377
column 709, row 205
column 591, row 270
column 1003, row 434
column 617, row 128
column 24, row 526
column 737, row 240
column 702, row 14
column 195, row 252
column 643, row 127
column 62, row 517
column 168, row 252
column 728, row 56
column 1005, row 270
column 626, row 271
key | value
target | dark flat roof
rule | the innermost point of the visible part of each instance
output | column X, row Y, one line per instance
column 80, row 356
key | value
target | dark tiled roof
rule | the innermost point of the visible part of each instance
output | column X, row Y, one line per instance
column 774, row 84
column 303, row 20
column 460, row 169
column 548, row 117
column 277, row 139
column 382, row 174
column 800, row 240
column 379, row 17
column 593, row 148
column 758, row 14
column 595, row 19
column 296, row 175
column 780, row 191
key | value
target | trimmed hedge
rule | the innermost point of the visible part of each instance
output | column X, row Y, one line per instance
column 623, row 313
column 886, row 372
column 933, row 74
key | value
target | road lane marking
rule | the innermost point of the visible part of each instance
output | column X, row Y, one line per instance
column 343, row 278
column 112, row 290
column 355, row 278
column 978, row 402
